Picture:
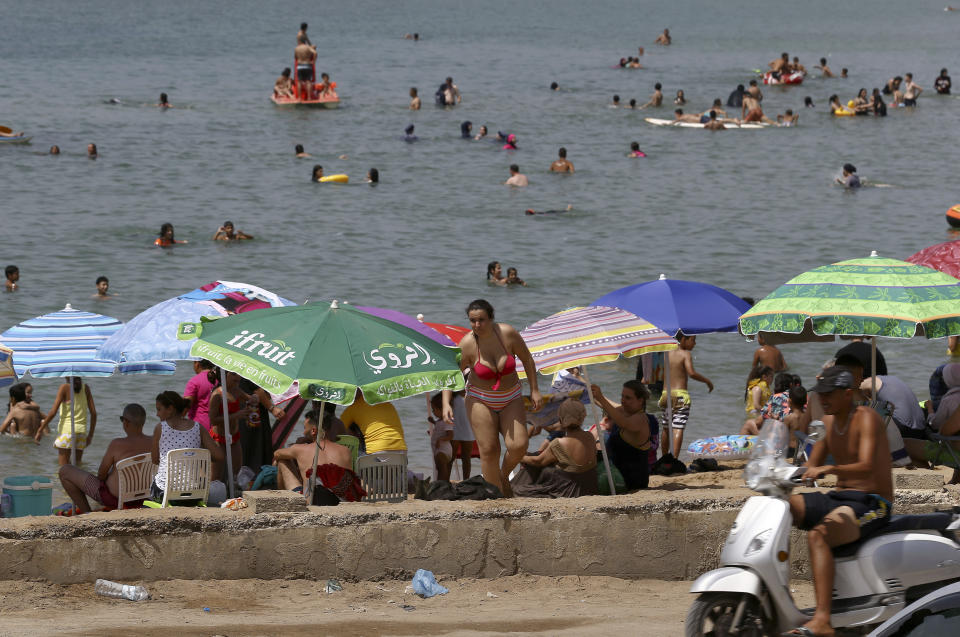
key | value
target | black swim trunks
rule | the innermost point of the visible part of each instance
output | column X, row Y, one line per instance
column 304, row 73
column 871, row 510
column 909, row 102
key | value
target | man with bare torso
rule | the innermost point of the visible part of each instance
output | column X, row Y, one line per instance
column 294, row 461
column 768, row 355
column 305, row 56
column 681, row 370
column 861, row 503
column 104, row 487
column 780, row 66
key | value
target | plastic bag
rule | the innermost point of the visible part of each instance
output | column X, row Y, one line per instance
column 425, row 584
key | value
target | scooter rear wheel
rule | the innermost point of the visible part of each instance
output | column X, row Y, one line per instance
column 712, row 614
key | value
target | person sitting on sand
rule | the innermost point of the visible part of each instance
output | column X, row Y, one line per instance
column 283, row 87
column 227, row 232
column 516, row 178
column 561, row 164
column 294, row 462
column 664, row 38
column 633, row 435
column 513, row 278
column 564, row 467
column 104, row 487
column 495, row 273
column 23, row 417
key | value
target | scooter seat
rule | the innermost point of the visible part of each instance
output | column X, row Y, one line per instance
column 898, row 524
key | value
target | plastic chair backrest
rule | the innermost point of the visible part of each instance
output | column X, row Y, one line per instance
column 383, row 476
column 134, row 476
column 188, row 475
column 352, row 443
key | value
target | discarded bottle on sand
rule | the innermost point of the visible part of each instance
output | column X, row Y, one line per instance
column 120, row 591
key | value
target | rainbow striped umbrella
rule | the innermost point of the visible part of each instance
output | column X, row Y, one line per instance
column 861, row 297
column 591, row 335
column 7, row 375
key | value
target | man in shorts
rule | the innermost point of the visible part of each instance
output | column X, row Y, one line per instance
column 860, row 504
column 305, row 56
column 911, row 90
column 681, row 371
column 105, row 486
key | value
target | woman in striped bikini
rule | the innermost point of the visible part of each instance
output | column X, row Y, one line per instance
column 494, row 402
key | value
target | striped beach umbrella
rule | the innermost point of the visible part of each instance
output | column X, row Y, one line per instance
column 64, row 343
column 590, row 335
column 861, row 297
column 7, row 375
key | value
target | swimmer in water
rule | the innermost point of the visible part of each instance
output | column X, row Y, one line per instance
column 165, row 238
column 843, row 73
column 92, row 151
column 482, row 134
column 511, row 143
column 466, row 130
column 561, row 164
column 373, row 176
column 850, row 178
column 103, row 289
column 635, row 150
column 300, row 153
column 495, row 273
column 54, row 150
column 513, row 278
column 664, row 38
column 516, row 177
column 317, row 173
column 531, row 211
column 808, row 102
column 414, row 99
column 616, row 101
column 680, row 100
column 164, row 103
column 409, row 136
column 226, row 232
column 657, row 98
column 942, row 84
column 789, row 118
column 824, row 69
column 554, row 86
column 632, row 104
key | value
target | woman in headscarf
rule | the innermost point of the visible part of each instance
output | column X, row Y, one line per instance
column 511, row 142
column 466, row 129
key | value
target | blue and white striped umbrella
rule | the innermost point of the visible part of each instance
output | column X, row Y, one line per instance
column 64, row 343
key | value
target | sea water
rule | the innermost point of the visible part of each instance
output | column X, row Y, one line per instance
column 745, row 210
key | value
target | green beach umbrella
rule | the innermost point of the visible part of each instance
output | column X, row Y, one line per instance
column 861, row 297
column 330, row 349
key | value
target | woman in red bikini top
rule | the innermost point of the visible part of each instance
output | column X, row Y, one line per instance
column 494, row 402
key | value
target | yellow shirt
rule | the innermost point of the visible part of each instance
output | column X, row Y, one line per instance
column 380, row 425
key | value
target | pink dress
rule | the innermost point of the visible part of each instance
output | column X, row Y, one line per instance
column 199, row 387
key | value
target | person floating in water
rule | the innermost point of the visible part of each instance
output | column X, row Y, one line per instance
column 165, row 238
column 54, row 150
column 635, row 150
column 164, row 103
column 317, row 173
column 482, row 134
column 554, row 86
column 409, row 136
column 226, row 232
column 495, row 273
column 92, row 151
column 850, row 178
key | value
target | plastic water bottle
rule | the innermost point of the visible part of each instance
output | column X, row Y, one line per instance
column 120, row 591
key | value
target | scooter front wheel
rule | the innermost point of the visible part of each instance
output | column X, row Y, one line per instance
column 713, row 615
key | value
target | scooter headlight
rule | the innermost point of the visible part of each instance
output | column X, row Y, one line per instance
column 758, row 542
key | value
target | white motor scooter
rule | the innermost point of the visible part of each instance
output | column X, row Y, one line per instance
column 749, row 595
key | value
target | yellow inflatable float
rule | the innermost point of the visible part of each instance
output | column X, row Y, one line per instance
column 337, row 179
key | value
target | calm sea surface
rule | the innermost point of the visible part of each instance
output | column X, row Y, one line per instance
column 745, row 210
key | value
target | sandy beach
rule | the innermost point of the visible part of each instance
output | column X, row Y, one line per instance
column 520, row 604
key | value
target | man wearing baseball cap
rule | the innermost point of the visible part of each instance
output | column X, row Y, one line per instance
column 860, row 505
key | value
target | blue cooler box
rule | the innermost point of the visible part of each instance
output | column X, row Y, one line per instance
column 29, row 495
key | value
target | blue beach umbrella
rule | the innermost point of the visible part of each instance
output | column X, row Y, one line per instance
column 675, row 305
column 7, row 375
column 64, row 343
column 152, row 334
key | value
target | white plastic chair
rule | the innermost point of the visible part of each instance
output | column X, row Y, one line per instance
column 188, row 475
column 383, row 476
column 134, row 475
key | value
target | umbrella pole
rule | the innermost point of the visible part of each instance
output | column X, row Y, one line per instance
column 226, row 430
column 316, row 456
column 73, row 430
column 668, row 424
column 873, row 368
column 603, row 444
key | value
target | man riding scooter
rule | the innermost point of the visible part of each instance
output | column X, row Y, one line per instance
column 861, row 503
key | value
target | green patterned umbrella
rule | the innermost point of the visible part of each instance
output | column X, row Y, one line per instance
column 861, row 297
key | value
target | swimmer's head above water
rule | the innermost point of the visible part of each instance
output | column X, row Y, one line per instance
column 317, row 173
column 373, row 176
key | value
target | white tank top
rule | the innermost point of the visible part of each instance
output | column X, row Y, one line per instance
column 171, row 438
